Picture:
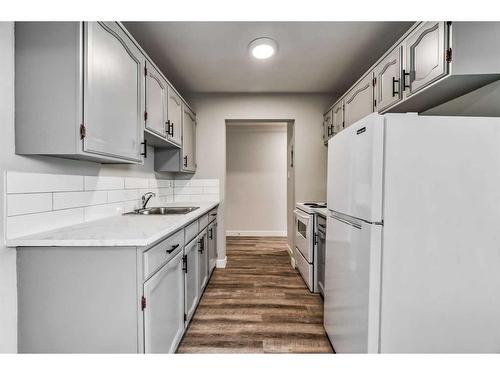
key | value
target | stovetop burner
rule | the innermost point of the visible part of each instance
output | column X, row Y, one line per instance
column 315, row 205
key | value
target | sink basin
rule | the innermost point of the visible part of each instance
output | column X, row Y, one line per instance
column 163, row 211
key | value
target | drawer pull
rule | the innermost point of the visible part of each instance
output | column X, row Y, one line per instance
column 172, row 248
column 201, row 241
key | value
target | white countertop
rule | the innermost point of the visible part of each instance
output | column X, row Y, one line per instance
column 122, row 230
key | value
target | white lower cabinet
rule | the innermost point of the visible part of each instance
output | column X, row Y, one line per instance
column 202, row 259
column 164, row 310
column 212, row 246
column 191, row 285
column 120, row 299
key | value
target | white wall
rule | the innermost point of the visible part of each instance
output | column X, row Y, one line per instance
column 10, row 161
column 306, row 110
column 256, row 179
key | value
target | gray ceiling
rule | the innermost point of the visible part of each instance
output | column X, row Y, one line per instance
column 319, row 57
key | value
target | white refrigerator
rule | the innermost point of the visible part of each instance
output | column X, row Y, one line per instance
column 413, row 235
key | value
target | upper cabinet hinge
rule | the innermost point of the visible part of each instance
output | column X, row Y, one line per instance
column 145, row 71
column 145, row 116
column 143, row 303
column 448, row 55
column 374, row 81
column 83, row 131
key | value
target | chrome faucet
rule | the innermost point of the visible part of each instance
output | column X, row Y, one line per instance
column 145, row 199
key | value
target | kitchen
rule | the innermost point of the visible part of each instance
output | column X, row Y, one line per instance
column 120, row 219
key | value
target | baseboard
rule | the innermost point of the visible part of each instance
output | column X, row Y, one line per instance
column 256, row 233
column 221, row 263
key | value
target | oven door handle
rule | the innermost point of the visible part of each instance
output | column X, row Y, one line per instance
column 298, row 214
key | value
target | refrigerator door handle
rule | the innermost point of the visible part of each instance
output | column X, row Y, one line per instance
column 355, row 225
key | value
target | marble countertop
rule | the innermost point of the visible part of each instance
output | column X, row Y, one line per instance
column 122, row 230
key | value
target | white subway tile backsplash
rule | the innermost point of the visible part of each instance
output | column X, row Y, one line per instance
column 160, row 183
column 205, row 182
column 102, row 211
column 104, row 183
column 38, row 202
column 182, row 183
column 122, row 195
column 20, row 182
column 23, row 225
column 130, row 205
column 20, row 204
column 182, row 198
column 162, row 192
column 210, row 190
column 188, row 190
column 136, row 183
column 79, row 199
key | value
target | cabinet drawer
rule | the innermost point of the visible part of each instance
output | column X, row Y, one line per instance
column 203, row 222
column 212, row 215
column 192, row 231
column 161, row 253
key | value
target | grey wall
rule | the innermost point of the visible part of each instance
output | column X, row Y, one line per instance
column 10, row 161
column 306, row 110
column 256, row 179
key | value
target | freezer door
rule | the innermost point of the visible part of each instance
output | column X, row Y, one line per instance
column 441, row 269
column 352, row 284
column 355, row 167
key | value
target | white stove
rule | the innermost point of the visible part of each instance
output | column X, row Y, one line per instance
column 310, row 207
column 305, row 251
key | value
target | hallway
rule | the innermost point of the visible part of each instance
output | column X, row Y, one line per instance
column 257, row 304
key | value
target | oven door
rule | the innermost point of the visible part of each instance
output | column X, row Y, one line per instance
column 304, row 234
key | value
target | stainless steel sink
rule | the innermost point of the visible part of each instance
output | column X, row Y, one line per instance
column 163, row 211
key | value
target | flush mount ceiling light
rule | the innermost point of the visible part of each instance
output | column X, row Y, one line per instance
column 263, row 48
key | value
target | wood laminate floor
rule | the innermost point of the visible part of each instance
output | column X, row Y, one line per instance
column 257, row 304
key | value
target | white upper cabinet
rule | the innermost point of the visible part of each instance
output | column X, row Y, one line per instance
column 327, row 126
column 425, row 51
column 188, row 140
column 174, row 122
column 431, row 64
column 358, row 102
column 156, row 95
column 113, row 92
column 338, row 117
column 79, row 91
column 86, row 90
column 387, row 80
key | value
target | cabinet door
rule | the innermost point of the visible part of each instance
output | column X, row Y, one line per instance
column 164, row 310
column 113, row 92
column 425, row 56
column 338, row 117
column 202, row 260
column 359, row 101
column 174, row 105
column 327, row 125
column 156, row 94
column 191, row 274
column 387, row 78
column 188, row 140
column 212, row 246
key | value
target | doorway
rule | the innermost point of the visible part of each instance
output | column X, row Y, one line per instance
column 259, row 178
